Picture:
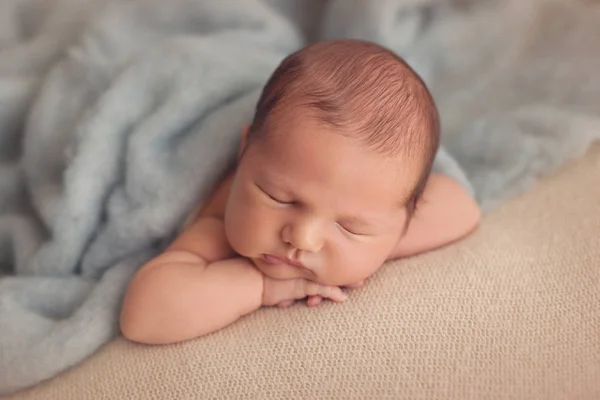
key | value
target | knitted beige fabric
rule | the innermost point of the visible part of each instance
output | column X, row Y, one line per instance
column 512, row 312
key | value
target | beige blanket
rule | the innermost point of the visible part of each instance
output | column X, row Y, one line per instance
column 513, row 312
column 115, row 116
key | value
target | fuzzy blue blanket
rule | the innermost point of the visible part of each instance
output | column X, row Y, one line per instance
column 117, row 116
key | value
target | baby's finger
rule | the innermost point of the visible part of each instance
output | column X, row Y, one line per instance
column 285, row 304
column 309, row 288
column 314, row 301
column 333, row 293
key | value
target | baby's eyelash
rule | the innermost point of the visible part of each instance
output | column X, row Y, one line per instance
column 348, row 230
column 275, row 199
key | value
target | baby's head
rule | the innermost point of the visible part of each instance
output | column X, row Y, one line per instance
column 339, row 151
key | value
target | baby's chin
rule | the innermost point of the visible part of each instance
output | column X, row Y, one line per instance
column 281, row 271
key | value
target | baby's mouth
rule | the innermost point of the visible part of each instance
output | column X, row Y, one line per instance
column 274, row 260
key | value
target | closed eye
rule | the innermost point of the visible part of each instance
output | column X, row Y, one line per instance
column 352, row 232
column 275, row 199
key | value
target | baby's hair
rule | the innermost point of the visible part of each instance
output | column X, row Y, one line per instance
column 361, row 89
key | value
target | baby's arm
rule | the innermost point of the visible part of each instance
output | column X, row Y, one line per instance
column 445, row 214
column 191, row 289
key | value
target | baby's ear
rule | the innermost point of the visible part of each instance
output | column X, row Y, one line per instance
column 244, row 139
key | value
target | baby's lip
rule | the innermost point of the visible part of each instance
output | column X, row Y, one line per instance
column 272, row 259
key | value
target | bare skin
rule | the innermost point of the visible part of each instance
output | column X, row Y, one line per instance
column 290, row 224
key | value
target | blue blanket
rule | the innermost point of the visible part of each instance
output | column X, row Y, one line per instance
column 117, row 116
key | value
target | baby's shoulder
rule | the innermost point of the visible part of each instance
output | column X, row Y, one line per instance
column 215, row 205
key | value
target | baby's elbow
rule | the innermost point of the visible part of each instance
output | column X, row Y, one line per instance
column 129, row 330
column 133, row 326
column 138, row 317
column 142, row 330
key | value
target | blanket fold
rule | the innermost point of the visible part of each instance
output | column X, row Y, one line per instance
column 116, row 118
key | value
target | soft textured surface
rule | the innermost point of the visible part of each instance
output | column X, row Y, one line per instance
column 115, row 116
column 513, row 312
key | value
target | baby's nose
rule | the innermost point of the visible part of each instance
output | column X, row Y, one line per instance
column 305, row 235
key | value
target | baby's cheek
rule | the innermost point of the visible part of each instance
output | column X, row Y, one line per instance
column 362, row 263
column 236, row 229
column 243, row 228
column 365, row 269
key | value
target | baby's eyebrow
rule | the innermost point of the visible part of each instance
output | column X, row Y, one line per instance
column 355, row 221
column 272, row 178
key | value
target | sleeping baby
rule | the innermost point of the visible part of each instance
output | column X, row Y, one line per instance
column 333, row 179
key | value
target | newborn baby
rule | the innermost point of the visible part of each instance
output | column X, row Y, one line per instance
column 333, row 178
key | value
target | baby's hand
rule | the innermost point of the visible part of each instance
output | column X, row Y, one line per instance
column 315, row 300
column 283, row 293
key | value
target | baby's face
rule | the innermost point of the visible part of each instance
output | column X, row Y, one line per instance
column 323, row 201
